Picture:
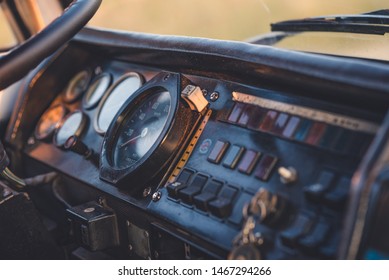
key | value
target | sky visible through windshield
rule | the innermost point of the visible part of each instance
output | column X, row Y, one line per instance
column 219, row 19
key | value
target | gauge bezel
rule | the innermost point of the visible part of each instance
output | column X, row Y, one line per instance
column 164, row 148
column 50, row 133
column 106, row 96
column 80, row 129
column 71, row 83
column 138, row 101
column 91, row 89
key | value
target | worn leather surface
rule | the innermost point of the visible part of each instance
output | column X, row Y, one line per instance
column 340, row 78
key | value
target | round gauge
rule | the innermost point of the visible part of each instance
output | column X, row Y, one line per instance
column 72, row 124
column 77, row 85
column 141, row 129
column 147, row 133
column 96, row 90
column 49, row 121
column 114, row 98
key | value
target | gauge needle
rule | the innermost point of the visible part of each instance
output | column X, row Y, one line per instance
column 143, row 134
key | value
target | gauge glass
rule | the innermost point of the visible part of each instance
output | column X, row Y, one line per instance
column 73, row 124
column 77, row 85
column 115, row 99
column 49, row 121
column 96, row 90
column 141, row 129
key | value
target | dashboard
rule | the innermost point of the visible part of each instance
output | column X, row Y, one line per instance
column 192, row 160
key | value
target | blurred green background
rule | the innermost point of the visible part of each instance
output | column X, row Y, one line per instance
column 221, row 19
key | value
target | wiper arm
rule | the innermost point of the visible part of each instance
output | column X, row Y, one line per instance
column 376, row 22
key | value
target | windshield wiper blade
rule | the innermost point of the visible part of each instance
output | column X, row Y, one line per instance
column 376, row 22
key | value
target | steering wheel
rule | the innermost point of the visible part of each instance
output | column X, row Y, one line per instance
column 25, row 57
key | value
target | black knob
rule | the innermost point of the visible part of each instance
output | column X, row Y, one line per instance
column 268, row 206
column 74, row 144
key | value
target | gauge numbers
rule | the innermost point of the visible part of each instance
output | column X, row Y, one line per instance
column 49, row 121
column 141, row 129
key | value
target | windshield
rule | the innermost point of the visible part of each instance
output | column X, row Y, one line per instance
column 342, row 44
column 219, row 19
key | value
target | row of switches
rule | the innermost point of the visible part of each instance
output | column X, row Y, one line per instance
column 244, row 159
column 204, row 193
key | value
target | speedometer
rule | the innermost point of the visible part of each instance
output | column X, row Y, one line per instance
column 147, row 133
column 114, row 98
column 141, row 129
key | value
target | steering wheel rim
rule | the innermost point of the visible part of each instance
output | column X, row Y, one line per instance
column 20, row 60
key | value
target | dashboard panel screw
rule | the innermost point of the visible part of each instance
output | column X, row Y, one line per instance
column 156, row 196
column 214, row 96
column 166, row 77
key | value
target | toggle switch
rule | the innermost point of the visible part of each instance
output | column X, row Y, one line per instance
column 288, row 175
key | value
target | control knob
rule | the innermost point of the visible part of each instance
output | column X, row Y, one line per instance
column 266, row 206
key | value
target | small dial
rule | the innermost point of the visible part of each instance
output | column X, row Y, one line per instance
column 49, row 121
column 114, row 99
column 73, row 124
column 77, row 86
column 141, row 130
column 96, row 90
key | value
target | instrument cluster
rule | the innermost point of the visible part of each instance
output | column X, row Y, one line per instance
column 138, row 127
column 59, row 122
column 206, row 157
